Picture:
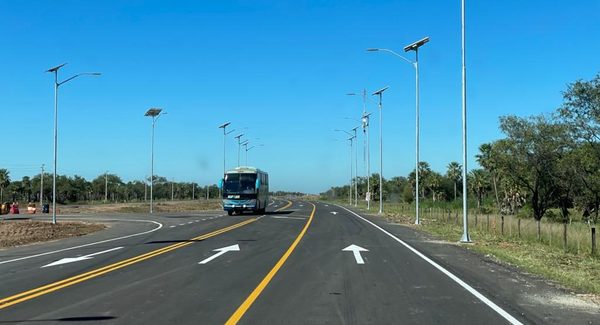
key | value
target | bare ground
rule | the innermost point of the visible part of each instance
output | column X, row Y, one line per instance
column 160, row 206
column 22, row 232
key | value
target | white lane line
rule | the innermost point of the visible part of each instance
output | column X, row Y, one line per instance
column 204, row 219
column 299, row 218
column 172, row 226
column 182, row 224
column 189, row 223
column 160, row 225
column 456, row 279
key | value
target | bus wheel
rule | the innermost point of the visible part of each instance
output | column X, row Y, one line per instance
column 230, row 212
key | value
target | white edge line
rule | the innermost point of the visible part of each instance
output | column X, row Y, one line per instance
column 456, row 279
column 160, row 225
column 299, row 218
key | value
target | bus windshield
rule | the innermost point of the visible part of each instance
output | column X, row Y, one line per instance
column 239, row 183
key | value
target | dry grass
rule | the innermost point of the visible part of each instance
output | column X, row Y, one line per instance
column 159, row 206
column 22, row 232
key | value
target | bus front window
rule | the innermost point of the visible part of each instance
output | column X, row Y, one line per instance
column 239, row 184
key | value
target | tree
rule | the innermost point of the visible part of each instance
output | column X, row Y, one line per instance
column 486, row 160
column 581, row 110
column 454, row 173
column 530, row 157
column 581, row 113
column 4, row 182
column 479, row 183
column 435, row 184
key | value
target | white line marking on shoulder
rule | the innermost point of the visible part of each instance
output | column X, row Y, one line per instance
column 456, row 279
column 160, row 225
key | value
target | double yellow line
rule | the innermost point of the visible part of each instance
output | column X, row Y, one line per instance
column 27, row 295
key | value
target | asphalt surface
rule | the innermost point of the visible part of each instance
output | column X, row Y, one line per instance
column 288, row 267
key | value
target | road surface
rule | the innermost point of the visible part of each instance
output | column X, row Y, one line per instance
column 299, row 263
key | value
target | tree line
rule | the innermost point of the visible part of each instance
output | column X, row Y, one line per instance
column 105, row 187
column 547, row 165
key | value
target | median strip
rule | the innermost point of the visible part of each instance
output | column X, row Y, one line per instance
column 30, row 294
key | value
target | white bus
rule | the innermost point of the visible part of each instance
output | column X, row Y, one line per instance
column 245, row 189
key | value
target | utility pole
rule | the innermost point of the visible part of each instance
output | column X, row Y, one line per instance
column 207, row 191
column 42, row 188
column 193, row 189
column 172, row 192
column 105, row 186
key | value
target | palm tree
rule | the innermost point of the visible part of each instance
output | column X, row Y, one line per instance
column 478, row 179
column 485, row 159
column 4, row 182
column 454, row 173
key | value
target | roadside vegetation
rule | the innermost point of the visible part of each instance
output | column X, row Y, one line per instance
column 535, row 200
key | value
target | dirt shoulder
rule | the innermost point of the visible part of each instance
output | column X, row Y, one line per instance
column 159, row 206
column 23, row 232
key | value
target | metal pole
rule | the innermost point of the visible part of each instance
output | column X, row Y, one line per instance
column 105, row 186
column 366, row 145
column 193, row 190
column 368, row 167
column 172, row 192
column 55, row 145
column 224, row 136
column 42, row 189
column 355, row 170
column 417, row 134
column 465, row 237
column 350, row 188
column 239, row 146
column 380, row 156
column 207, row 192
column 152, row 168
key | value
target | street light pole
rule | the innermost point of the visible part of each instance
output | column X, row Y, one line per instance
column 155, row 113
column 225, row 133
column 365, row 119
column 56, row 85
column 238, row 137
column 42, row 189
column 248, row 149
column 380, row 94
column 351, row 169
column 355, row 168
column 105, row 186
column 412, row 47
column 465, row 237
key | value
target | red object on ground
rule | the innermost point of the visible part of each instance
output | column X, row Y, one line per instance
column 14, row 208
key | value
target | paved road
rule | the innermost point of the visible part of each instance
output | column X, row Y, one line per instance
column 287, row 266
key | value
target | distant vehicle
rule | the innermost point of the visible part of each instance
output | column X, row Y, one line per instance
column 245, row 189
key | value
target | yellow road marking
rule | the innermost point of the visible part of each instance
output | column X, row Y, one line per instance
column 243, row 308
column 289, row 204
column 27, row 295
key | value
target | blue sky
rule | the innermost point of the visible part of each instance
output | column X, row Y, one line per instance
column 281, row 70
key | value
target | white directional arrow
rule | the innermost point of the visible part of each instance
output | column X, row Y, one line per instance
column 80, row 258
column 334, row 212
column 221, row 251
column 356, row 250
